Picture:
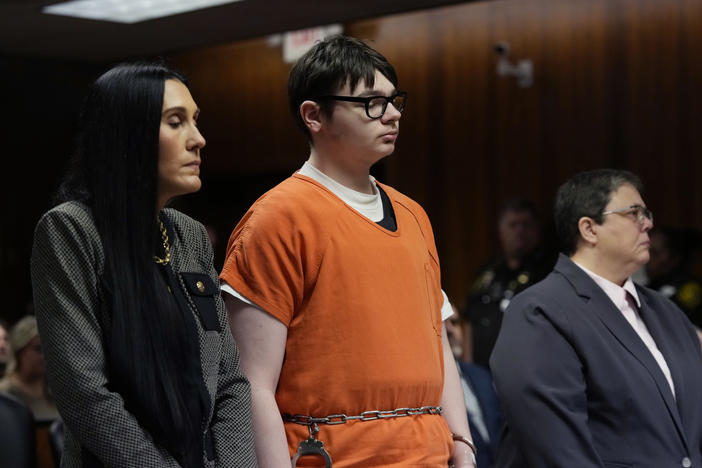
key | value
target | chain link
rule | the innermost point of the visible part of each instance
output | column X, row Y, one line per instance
column 166, row 246
column 334, row 419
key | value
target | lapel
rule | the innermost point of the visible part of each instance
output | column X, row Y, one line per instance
column 659, row 332
column 600, row 305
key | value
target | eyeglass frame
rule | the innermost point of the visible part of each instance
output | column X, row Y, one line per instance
column 366, row 100
column 643, row 213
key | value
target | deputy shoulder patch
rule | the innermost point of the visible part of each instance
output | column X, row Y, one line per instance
column 690, row 294
column 483, row 281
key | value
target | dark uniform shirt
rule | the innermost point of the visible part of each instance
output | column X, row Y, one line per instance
column 491, row 293
column 685, row 290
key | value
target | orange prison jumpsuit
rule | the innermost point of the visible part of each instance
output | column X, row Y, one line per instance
column 363, row 309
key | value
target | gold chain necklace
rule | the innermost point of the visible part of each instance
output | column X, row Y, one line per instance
column 166, row 247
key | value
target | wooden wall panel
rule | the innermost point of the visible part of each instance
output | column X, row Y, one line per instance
column 617, row 83
column 242, row 90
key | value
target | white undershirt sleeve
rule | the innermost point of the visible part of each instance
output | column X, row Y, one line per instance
column 446, row 309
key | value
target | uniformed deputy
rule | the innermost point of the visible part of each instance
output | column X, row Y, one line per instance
column 521, row 264
column 669, row 274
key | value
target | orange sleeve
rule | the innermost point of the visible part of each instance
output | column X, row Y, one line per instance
column 263, row 262
column 274, row 253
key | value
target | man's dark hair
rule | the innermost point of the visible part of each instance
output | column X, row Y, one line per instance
column 518, row 205
column 327, row 66
column 587, row 194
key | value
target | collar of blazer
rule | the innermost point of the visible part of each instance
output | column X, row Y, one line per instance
column 596, row 301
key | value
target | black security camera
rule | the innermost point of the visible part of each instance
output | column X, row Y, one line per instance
column 502, row 49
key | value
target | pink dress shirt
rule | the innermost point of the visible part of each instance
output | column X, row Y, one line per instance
column 627, row 301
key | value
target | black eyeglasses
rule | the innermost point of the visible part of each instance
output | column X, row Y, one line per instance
column 641, row 213
column 375, row 105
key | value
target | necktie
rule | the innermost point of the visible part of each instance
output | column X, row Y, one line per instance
column 643, row 332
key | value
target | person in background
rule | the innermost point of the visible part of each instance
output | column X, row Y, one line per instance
column 668, row 271
column 333, row 285
column 139, row 353
column 26, row 374
column 593, row 370
column 483, row 407
column 5, row 351
column 521, row 263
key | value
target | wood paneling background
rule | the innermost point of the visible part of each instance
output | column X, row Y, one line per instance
column 616, row 83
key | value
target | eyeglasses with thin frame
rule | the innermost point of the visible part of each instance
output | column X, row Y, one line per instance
column 641, row 213
column 375, row 105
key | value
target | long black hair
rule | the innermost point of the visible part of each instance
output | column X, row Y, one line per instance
column 115, row 172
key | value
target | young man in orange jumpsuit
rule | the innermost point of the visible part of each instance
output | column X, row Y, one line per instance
column 332, row 283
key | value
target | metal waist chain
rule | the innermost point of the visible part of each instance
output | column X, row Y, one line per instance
column 314, row 447
column 333, row 419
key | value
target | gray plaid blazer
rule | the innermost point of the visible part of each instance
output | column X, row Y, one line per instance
column 67, row 263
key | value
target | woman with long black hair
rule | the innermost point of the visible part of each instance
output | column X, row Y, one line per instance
column 139, row 354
